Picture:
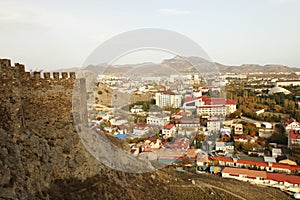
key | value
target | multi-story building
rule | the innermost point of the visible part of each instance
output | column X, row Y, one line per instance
column 168, row 98
column 206, row 111
column 169, row 131
column 158, row 120
column 287, row 83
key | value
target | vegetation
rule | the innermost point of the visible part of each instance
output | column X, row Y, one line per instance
column 248, row 101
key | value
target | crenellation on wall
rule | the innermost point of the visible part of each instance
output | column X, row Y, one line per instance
column 64, row 75
column 47, row 75
column 72, row 75
column 5, row 63
column 20, row 67
column 55, row 75
column 37, row 75
column 27, row 75
column 18, row 71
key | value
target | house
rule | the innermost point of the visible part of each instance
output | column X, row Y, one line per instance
column 181, row 143
column 168, row 131
column 252, row 176
column 243, row 163
column 266, row 125
column 276, row 152
column 202, row 160
column 214, row 124
column 230, row 106
column 122, row 129
column 191, row 155
column 287, row 83
column 237, row 129
column 240, row 138
column 225, row 131
column 140, row 129
column 220, row 147
column 182, row 114
column 269, row 159
column 283, row 181
column 169, row 156
column 136, row 109
column 225, row 134
column 293, row 137
column 188, row 123
column 158, row 120
column 291, row 124
column 151, row 143
column 229, row 146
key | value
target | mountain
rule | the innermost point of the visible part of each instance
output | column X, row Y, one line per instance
column 180, row 64
column 254, row 68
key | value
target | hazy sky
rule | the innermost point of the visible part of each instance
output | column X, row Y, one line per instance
column 58, row 34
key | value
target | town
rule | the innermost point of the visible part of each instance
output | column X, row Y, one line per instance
column 240, row 126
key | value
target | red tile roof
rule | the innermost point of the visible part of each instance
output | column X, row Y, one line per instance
column 181, row 143
column 283, row 178
column 247, row 172
column 213, row 101
column 286, row 166
column 220, row 158
column 230, row 102
column 250, row 162
column 168, row 126
column 188, row 99
column 202, row 97
column 236, row 137
column 290, row 121
column 140, row 126
column 211, row 106
column 258, row 163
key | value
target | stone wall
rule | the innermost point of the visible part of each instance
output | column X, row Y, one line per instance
column 38, row 140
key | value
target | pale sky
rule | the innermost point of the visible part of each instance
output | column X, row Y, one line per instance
column 50, row 35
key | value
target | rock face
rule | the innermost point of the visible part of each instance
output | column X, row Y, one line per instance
column 42, row 157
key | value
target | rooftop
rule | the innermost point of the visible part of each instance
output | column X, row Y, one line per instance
column 247, row 172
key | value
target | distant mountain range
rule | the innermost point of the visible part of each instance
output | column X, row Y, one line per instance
column 184, row 65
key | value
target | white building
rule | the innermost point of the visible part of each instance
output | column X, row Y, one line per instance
column 288, row 83
column 221, row 146
column 191, row 103
column 136, row 109
column 168, row 98
column 276, row 152
column 206, row 111
column 140, row 129
column 169, row 131
column 213, row 124
column 230, row 106
column 158, row 120
column 291, row 124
